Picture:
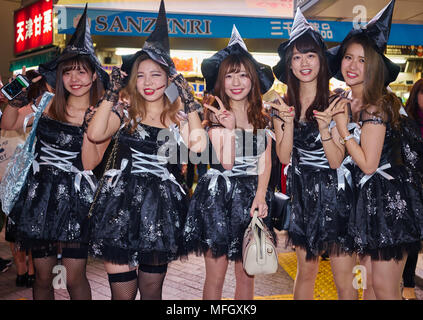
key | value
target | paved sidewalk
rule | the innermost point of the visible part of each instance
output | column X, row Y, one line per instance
column 184, row 280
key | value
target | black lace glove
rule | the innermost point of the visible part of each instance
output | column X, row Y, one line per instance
column 20, row 100
column 186, row 94
column 89, row 114
column 115, row 85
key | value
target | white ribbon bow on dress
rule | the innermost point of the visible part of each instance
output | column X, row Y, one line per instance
column 61, row 159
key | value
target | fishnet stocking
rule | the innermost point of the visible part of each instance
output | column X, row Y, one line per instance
column 123, row 285
column 151, row 285
column 76, row 279
column 42, row 288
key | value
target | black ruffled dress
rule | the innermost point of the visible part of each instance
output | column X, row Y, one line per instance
column 139, row 214
column 53, row 206
column 320, row 203
column 412, row 154
column 387, row 220
column 219, row 211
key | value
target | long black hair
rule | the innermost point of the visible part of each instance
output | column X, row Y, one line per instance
column 305, row 44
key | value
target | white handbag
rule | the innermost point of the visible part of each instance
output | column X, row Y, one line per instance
column 259, row 254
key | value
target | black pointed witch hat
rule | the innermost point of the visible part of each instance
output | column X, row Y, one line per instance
column 377, row 31
column 80, row 43
column 156, row 46
column 236, row 46
column 300, row 27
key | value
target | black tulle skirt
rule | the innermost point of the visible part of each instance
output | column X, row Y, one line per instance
column 50, row 210
column 388, row 219
column 319, row 212
column 218, row 218
column 138, row 221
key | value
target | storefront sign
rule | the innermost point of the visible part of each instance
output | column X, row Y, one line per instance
column 130, row 23
column 33, row 26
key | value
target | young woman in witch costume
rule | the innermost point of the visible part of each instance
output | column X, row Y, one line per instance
column 237, row 183
column 51, row 213
column 305, row 138
column 412, row 125
column 141, row 207
column 384, row 224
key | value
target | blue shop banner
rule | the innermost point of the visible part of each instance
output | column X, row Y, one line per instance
column 133, row 23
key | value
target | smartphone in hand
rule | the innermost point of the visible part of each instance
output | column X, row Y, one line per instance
column 14, row 88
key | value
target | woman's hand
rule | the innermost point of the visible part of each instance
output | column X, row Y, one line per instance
column 324, row 118
column 260, row 204
column 182, row 117
column 116, row 83
column 186, row 94
column 225, row 117
column 21, row 99
column 285, row 113
column 340, row 116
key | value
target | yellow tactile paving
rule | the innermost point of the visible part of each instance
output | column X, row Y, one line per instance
column 324, row 287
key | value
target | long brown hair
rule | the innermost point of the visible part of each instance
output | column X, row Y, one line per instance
column 305, row 44
column 255, row 112
column 374, row 90
column 58, row 108
column 137, row 103
column 412, row 105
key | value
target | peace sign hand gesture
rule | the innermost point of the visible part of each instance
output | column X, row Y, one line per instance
column 225, row 117
column 340, row 114
column 285, row 113
column 324, row 118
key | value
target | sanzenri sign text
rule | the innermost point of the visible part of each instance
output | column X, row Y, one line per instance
column 133, row 23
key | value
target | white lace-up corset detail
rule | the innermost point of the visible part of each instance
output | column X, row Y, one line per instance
column 148, row 163
column 246, row 165
column 62, row 159
column 144, row 163
column 316, row 158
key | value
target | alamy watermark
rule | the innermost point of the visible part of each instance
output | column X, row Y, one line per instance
column 360, row 17
column 59, row 281
column 360, row 278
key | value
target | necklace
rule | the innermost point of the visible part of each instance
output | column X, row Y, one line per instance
column 153, row 118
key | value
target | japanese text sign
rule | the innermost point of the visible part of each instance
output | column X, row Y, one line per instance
column 33, row 26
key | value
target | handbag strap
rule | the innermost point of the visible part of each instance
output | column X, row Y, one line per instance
column 111, row 162
column 47, row 96
column 256, row 221
column 257, row 226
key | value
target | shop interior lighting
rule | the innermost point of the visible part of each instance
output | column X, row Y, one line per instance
column 398, row 60
column 270, row 59
column 125, row 51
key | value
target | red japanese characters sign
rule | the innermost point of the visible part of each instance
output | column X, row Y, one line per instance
column 33, row 26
